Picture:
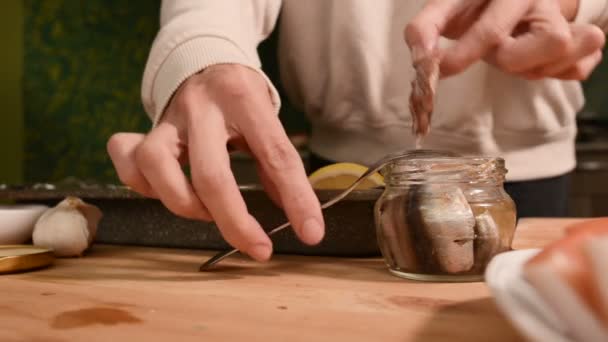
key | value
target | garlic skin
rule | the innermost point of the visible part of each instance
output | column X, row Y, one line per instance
column 69, row 228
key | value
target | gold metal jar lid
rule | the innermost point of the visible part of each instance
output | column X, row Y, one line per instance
column 20, row 258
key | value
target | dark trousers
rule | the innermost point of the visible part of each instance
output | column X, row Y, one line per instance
column 537, row 198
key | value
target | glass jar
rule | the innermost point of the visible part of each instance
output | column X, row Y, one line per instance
column 444, row 218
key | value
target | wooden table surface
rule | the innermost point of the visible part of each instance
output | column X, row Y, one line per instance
column 146, row 294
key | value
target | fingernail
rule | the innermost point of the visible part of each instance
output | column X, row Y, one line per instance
column 260, row 252
column 312, row 232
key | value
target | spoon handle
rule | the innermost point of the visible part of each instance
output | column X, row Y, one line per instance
column 223, row 255
column 374, row 168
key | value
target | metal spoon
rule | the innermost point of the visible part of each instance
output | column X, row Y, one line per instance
column 372, row 169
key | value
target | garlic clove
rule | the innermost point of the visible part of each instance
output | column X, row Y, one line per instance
column 91, row 213
column 69, row 228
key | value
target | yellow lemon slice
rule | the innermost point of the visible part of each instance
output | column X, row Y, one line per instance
column 342, row 175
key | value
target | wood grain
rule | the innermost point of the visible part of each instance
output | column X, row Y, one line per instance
column 120, row 293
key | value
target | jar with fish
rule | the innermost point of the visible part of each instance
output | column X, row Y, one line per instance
column 443, row 218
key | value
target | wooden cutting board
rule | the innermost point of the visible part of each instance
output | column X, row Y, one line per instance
column 126, row 294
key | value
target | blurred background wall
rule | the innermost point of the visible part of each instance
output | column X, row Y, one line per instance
column 11, row 88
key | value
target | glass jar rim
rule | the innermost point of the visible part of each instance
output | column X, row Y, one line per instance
column 445, row 169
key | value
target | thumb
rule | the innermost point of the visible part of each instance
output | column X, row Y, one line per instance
column 422, row 33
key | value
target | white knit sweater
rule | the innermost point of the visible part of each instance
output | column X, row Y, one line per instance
column 346, row 65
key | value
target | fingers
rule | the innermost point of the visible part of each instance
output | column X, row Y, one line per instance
column 157, row 159
column 283, row 166
column 582, row 69
column 545, row 53
column 423, row 31
column 147, row 166
column 121, row 148
column 494, row 26
column 545, row 41
column 584, row 52
column 250, row 112
column 269, row 186
column 527, row 38
column 215, row 185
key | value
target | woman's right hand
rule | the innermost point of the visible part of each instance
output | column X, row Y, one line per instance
column 533, row 39
column 225, row 106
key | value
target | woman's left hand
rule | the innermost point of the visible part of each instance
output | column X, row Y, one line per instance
column 529, row 38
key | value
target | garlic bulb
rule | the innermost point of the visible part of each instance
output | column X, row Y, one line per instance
column 69, row 228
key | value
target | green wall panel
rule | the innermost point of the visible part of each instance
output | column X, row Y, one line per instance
column 11, row 72
column 83, row 65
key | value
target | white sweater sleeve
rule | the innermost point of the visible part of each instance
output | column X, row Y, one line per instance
column 593, row 12
column 195, row 34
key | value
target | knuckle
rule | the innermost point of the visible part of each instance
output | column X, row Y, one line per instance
column 233, row 83
column 234, row 87
column 492, row 34
column 300, row 202
column 278, row 156
column 561, row 42
column 237, row 82
column 146, row 155
column 210, row 180
column 185, row 96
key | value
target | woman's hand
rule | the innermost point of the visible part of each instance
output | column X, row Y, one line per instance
column 530, row 38
column 224, row 106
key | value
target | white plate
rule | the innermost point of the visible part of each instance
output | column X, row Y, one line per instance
column 519, row 300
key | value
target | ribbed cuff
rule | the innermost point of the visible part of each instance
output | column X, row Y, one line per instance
column 192, row 57
column 593, row 12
